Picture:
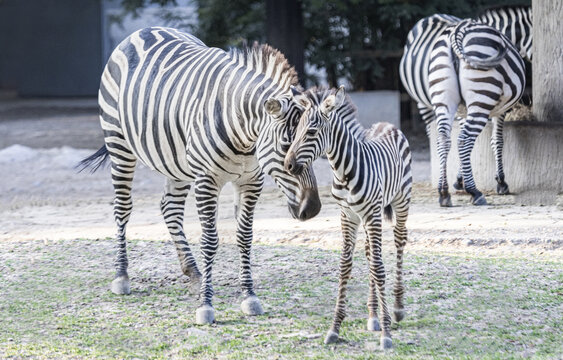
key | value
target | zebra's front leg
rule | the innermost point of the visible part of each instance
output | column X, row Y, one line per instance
column 172, row 206
column 466, row 140
column 122, row 179
column 497, row 143
column 246, row 197
column 377, row 273
column 206, row 194
column 350, row 223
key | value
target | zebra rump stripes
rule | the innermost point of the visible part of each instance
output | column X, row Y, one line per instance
column 489, row 73
column 371, row 176
column 202, row 117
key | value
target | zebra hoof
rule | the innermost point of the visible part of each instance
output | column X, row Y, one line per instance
column 121, row 285
column 479, row 201
column 251, row 306
column 331, row 337
column 386, row 343
column 445, row 201
column 398, row 315
column 373, row 324
column 205, row 315
column 502, row 188
column 458, row 186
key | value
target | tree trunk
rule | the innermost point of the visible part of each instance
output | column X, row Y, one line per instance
column 547, row 85
column 284, row 30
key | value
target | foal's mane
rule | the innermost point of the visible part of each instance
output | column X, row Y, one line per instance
column 268, row 61
column 347, row 112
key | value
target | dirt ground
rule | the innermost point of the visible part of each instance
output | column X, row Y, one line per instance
column 56, row 221
column 43, row 196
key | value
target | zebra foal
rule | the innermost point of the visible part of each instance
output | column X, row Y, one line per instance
column 202, row 117
column 371, row 176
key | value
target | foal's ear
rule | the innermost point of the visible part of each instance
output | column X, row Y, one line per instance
column 340, row 96
column 273, row 107
column 333, row 101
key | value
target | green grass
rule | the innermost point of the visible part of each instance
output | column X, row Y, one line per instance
column 55, row 303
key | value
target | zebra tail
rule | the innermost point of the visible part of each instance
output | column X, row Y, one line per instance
column 388, row 213
column 94, row 161
column 456, row 39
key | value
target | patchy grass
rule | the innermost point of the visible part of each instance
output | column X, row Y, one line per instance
column 55, row 303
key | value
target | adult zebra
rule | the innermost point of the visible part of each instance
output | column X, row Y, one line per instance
column 371, row 172
column 515, row 23
column 205, row 116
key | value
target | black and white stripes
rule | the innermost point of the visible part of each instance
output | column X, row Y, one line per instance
column 371, row 172
column 448, row 62
column 202, row 117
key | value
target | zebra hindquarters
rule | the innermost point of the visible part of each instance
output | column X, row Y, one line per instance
column 445, row 99
column 246, row 197
column 172, row 207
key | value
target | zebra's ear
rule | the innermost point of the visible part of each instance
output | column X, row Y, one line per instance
column 328, row 105
column 273, row 107
column 340, row 96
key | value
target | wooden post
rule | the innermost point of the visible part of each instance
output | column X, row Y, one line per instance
column 547, row 60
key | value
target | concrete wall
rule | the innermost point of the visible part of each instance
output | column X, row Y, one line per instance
column 533, row 160
column 51, row 47
column 378, row 106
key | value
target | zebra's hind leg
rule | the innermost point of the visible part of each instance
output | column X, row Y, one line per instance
column 206, row 194
column 466, row 140
column 122, row 179
column 443, row 147
column 350, row 223
column 377, row 273
column 400, row 234
column 246, row 197
column 373, row 321
column 497, row 143
column 172, row 206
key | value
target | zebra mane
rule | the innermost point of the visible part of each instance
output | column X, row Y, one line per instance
column 268, row 61
column 347, row 112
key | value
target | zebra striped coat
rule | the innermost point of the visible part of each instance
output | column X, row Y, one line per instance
column 429, row 37
column 371, row 172
column 202, row 116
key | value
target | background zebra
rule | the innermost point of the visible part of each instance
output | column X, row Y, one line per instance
column 205, row 116
column 371, row 171
column 516, row 23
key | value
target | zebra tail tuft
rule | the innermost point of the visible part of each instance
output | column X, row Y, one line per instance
column 388, row 213
column 94, row 161
column 456, row 40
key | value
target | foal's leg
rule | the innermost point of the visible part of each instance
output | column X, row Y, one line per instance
column 401, row 209
column 377, row 273
column 350, row 223
column 172, row 206
column 373, row 321
column 246, row 197
column 206, row 194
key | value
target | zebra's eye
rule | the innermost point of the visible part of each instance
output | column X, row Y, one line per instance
column 312, row 131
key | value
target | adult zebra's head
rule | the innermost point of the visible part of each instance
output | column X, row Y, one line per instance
column 272, row 145
column 313, row 133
